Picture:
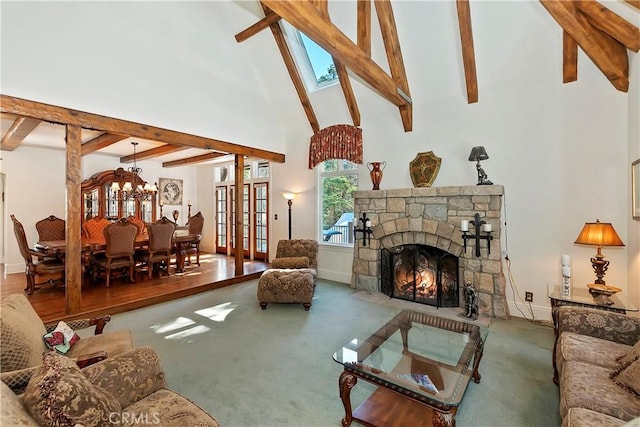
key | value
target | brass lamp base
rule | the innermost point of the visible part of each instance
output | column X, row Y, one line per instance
column 602, row 293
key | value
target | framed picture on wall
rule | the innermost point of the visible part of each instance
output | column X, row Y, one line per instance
column 170, row 191
column 635, row 190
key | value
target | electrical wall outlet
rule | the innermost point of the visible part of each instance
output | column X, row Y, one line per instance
column 528, row 296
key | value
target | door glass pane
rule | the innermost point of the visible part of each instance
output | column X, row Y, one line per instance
column 261, row 219
column 221, row 216
column 245, row 218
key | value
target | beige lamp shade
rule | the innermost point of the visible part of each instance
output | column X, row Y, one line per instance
column 599, row 234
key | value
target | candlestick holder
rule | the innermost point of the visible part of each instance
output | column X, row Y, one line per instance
column 188, row 213
column 477, row 224
column 365, row 229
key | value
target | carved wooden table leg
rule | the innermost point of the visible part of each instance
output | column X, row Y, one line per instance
column 180, row 256
column 443, row 420
column 346, row 382
column 476, row 362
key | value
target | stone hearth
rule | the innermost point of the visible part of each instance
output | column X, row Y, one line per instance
column 431, row 216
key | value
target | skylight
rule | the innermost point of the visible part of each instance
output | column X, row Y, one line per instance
column 320, row 60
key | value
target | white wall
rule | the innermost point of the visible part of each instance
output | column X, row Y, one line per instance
column 35, row 189
column 562, row 151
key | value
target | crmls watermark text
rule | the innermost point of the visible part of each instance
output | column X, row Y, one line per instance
column 133, row 419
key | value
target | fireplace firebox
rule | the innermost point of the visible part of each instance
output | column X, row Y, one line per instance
column 420, row 273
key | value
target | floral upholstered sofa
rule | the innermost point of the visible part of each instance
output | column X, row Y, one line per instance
column 128, row 389
column 597, row 366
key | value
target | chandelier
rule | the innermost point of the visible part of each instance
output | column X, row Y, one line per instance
column 139, row 192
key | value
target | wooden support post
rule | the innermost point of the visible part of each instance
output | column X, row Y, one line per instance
column 73, row 256
column 239, row 191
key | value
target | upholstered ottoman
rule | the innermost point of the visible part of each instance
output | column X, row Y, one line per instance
column 286, row 286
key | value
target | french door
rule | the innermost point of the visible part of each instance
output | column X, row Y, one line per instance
column 254, row 220
column 260, row 229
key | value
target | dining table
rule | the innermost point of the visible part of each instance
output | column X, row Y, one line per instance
column 182, row 239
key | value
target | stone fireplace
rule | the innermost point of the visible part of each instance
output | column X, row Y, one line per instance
column 430, row 217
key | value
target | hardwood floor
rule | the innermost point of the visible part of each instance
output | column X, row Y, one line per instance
column 215, row 271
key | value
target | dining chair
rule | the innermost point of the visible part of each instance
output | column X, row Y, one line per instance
column 120, row 240
column 138, row 223
column 51, row 228
column 160, row 245
column 94, row 228
column 196, row 223
column 33, row 265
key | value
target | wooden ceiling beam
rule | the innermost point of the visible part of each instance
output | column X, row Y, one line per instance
column 308, row 19
column 569, row 58
column 293, row 73
column 468, row 52
column 100, row 142
column 343, row 75
column 67, row 116
column 609, row 55
column 191, row 160
column 364, row 26
column 394, row 57
column 347, row 90
column 19, row 130
column 153, row 152
column 270, row 19
column 634, row 3
column 611, row 23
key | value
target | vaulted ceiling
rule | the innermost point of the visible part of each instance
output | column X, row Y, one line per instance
column 606, row 38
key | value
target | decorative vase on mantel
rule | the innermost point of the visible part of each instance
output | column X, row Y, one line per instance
column 375, row 171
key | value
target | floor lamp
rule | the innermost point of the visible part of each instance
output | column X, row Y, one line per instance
column 289, row 197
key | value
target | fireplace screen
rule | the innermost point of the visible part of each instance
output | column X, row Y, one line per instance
column 420, row 273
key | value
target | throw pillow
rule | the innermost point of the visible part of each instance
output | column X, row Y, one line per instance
column 60, row 394
column 21, row 330
column 628, row 378
column 634, row 354
column 291, row 262
column 61, row 339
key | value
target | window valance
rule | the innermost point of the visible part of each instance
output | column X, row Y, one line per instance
column 336, row 142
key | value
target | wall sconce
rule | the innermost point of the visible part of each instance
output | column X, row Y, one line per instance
column 477, row 223
column 365, row 229
column 289, row 197
column 479, row 153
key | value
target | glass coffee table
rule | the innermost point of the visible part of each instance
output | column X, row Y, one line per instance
column 419, row 363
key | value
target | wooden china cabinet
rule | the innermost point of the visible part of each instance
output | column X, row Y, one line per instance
column 101, row 200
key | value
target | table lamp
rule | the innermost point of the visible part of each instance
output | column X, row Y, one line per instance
column 600, row 234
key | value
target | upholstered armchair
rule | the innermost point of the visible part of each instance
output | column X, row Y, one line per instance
column 292, row 276
column 35, row 263
column 22, row 345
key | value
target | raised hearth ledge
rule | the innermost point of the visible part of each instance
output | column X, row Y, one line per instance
column 432, row 216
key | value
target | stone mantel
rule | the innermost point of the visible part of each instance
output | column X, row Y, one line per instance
column 432, row 216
